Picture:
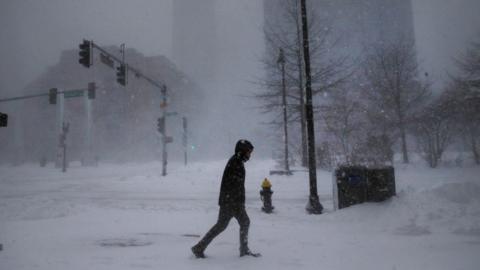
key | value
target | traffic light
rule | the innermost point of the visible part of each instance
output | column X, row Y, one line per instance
column 3, row 119
column 52, row 96
column 91, row 90
column 122, row 74
column 85, row 53
column 161, row 125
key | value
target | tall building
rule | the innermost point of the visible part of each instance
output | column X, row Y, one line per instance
column 217, row 43
column 355, row 23
column 194, row 37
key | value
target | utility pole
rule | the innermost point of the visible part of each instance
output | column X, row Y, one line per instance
column 281, row 61
column 185, row 141
column 301, row 86
column 313, row 205
column 163, row 106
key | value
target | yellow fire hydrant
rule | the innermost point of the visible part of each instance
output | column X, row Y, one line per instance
column 266, row 196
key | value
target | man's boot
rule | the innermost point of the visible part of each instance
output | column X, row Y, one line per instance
column 198, row 252
column 248, row 252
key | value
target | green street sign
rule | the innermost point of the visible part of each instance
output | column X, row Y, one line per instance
column 171, row 113
column 73, row 93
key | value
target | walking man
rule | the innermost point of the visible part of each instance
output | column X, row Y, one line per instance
column 231, row 201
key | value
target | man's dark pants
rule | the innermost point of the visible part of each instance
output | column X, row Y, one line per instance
column 227, row 212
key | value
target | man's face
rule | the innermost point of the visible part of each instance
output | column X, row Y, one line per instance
column 248, row 154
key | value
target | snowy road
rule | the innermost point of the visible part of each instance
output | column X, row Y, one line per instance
column 129, row 217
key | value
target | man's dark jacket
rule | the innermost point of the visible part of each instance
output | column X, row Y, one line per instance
column 232, row 190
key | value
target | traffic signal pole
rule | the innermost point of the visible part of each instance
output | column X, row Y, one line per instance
column 128, row 68
column 59, row 130
column 86, row 57
column 22, row 97
column 88, row 157
column 163, row 106
column 55, row 93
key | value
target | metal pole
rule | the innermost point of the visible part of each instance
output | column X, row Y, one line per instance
column 65, row 127
column 60, row 119
column 88, row 136
column 19, row 136
column 185, row 142
column 137, row 72
column 64, row 161
column 22, row 97
column 301, row 87
column 122, row 51
column 36, row 95
column 281, row 60
column 164, row 135
column 313, row 205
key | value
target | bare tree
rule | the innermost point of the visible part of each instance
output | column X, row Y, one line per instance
column 434, row 129
column 342, row 117
column 393, row 88
column 464, row 93
column 327, row 71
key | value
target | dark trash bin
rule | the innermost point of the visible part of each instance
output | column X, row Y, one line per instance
column 349, row 186
column 381, row 184
column 358, row 184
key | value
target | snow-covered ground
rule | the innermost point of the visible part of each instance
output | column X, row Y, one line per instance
column 130, row 217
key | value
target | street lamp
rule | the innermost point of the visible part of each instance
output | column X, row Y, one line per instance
column 313, row 206
column 281, row 62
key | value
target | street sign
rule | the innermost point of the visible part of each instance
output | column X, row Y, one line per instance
column 171, row 113
column 73, row 93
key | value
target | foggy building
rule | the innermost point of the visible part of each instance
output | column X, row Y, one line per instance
column 356, row 24
column 217, row 43
column 194, row 39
